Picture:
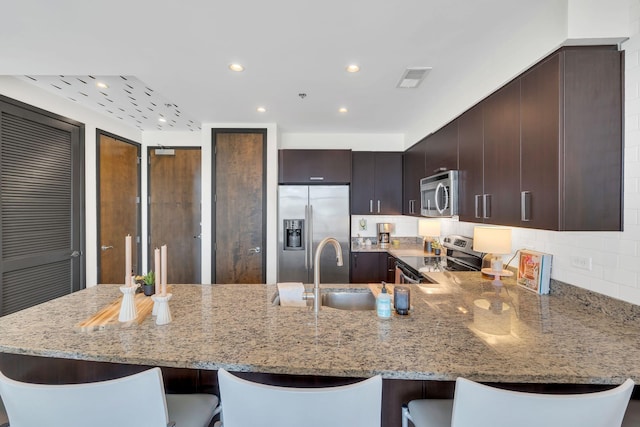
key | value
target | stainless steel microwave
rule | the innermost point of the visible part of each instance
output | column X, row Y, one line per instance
column 439, row 194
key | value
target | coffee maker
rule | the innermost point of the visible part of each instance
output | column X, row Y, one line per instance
column 384, row 234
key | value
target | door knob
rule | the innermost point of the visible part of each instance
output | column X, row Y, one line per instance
column 199, row 236
column 104, row 248
column 255, row 250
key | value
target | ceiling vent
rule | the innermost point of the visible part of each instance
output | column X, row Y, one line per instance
column 412, row 77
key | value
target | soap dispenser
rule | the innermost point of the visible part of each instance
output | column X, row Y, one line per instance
column 383, row 303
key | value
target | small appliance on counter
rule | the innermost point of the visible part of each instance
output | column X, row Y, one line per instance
column 384, row 234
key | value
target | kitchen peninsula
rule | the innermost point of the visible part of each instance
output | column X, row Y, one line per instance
column 553, row 339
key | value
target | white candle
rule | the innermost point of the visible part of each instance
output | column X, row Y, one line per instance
column 156, row 267
column 163, row 255
column 127, row 260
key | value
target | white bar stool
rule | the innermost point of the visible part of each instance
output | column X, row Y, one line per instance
column 478, row 405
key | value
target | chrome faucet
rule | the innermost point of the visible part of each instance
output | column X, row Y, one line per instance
column 315, row 295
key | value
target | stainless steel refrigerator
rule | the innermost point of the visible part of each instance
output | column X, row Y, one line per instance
column 306, row 215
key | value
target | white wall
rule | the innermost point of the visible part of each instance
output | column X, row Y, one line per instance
column 29, row 94
column 597, row 19
column 354, row 141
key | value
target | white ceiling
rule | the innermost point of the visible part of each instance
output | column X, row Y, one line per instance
column 181, row 51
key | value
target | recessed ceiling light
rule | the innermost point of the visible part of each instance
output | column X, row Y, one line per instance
column 343, row 110
column 162, row 120
column 236, row 67
column 261, row 110
column 102, row 85
column 353, row 68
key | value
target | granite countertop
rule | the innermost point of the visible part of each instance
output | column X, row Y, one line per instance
column 396, row 251
column 450, row 332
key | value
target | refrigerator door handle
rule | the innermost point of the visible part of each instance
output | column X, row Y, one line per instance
column 310, row 240
column 306, row 237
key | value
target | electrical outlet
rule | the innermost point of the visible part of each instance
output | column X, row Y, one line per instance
column 585, row 263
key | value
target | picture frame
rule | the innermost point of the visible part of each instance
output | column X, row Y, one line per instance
column 534, row 271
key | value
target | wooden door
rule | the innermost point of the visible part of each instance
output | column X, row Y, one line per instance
column 239, row 206
column 174, row 211
column 41, row 200
column 118, row 206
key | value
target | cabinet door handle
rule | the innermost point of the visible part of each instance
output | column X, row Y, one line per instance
column 378, row 206
column 412, row 206
column 478, row 200
column 486, row 209
column 525, row 206
column 370, row 205
column 316, row 178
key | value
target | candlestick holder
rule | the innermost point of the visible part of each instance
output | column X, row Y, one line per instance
column 161, row 306
column 128, row 310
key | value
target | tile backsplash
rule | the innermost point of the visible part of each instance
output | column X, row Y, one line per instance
column 366, row 225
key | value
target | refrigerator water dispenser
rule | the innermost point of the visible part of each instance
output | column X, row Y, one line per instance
column 293, row 234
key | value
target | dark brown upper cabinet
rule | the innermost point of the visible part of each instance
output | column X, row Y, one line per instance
column 489, row 160
column 501, row 156
column 546, row 150
column 471, row 164
column 571, row 141
column 376, row 187
column 314, row 167
column 413, row 171
column 442, row 150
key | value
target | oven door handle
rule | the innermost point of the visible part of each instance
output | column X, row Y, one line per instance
column 405, row 276
column 468, row 267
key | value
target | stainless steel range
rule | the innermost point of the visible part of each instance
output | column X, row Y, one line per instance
column 458, row 256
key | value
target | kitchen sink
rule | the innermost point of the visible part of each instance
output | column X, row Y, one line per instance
column 349, row 299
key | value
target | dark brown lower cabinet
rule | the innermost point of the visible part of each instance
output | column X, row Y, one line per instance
column 368, row 267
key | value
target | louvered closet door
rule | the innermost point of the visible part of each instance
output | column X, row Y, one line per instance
column 40, row 208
